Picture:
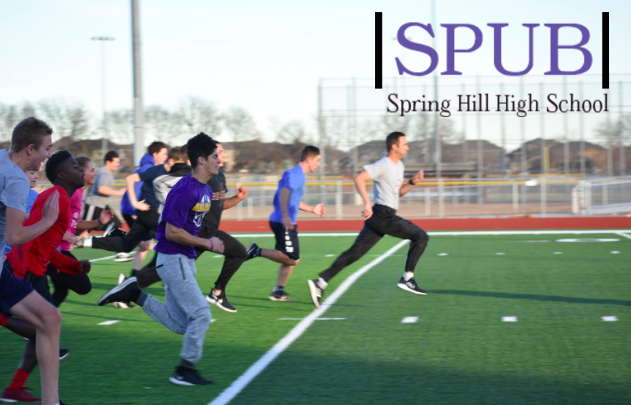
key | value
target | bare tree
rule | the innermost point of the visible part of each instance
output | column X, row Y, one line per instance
column 291, row 132
column 68, row 119
column 119, row 124
column 199, row 115
column 164, row 125
column 241, row 125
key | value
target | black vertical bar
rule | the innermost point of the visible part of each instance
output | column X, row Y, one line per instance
column 605, row 50
column 378, row 49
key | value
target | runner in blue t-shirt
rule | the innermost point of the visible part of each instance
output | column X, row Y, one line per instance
column 287, row 202
column 185, row 311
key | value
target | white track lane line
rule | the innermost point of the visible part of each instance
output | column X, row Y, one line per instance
column 240, row 383
column 102, row 258
column 624, row 235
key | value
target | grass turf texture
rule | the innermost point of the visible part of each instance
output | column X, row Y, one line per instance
column 460, row 352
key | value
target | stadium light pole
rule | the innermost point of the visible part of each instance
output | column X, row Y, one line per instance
column 103, row 40
column 139, row 112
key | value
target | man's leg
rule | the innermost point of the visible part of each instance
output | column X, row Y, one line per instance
column 235, row 256
column 404, row 229
column 47, row 320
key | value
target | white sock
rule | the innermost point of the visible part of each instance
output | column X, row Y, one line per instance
column 322, row 284
column 87, row 242
column 407, row 276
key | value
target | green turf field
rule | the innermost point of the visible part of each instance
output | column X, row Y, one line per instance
column 459, row 351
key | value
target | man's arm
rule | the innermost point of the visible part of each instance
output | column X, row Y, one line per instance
column 180, row 236
column 284, row 208
column 319, row 209
column 131, row 192
column 241, row 193
column 406, row 187
column 17, row 234
column 360, row 185
column 107, row 190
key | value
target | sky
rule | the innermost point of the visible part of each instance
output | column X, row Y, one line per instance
column 270, row 56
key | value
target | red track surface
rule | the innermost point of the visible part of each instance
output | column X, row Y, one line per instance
column 451, row 224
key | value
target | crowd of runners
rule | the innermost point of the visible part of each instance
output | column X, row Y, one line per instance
column 172, row 205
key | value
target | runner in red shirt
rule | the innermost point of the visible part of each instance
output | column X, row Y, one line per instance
column 29, row 260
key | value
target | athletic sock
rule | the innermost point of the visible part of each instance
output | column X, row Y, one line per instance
column 322, row 284
column 19, row 379
column 3, row 321
column 138, row 297
column 407, row 276
column 279, row 289
column 187, row 364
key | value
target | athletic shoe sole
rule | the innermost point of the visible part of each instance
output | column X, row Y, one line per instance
column 180, row 382
column 63, row 355
column 217, row 304
column 124, row 284
column 406, row 288
column 314, row 293
column 271, row 297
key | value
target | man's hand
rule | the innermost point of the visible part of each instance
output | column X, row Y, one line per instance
column 319, row 210
column 70, row 237
column 50, row 211
column 106, row 216
column 418, row 177
column 85, row 266
column 367, row 212
column 217, row 245
column 287, row 223
column 241, row 191
column 142, row 206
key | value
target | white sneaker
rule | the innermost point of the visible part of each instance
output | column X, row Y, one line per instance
column 123, row 257
column 121, row 305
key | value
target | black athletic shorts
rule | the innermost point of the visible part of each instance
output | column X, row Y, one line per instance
column 286, row 240
column 12, row 289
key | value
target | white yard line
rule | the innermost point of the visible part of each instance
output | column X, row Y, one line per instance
column 624, row 234
column 240, row 383
column 458, row 233
column 103, row 258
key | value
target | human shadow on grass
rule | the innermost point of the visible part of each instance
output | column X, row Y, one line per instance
column 534, row 297
column 107, row 318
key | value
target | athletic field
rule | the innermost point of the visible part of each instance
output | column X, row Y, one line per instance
column 510, row 318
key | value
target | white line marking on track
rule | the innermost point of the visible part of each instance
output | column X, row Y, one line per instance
column 615, row 252
column 624, row 235
column 410, row 319
column 329, row 255
column 240, row 383
column 509, row 319
column 103, row 258
column 610, row 318
column 450, row 233
column 443, row 254
column 500, row 253
column 108, row 323
column 318, row 319
column 558, row 253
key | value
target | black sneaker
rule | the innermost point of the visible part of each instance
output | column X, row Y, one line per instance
column 127, row 304
column 108, row 231
column 188, row 376
column 63, row 353
column 281, row 296
column 316, row 292
column 121, row 292
column 410, row 286
column 220, row 300
column 253, row 250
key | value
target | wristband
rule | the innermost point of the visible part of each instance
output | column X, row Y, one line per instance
column 410, row 181
column 212, row 245
column 98, row 220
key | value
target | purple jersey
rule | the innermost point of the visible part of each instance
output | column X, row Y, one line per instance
column 185, row 207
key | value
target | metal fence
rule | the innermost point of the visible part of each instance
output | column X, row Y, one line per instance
column 602, row 196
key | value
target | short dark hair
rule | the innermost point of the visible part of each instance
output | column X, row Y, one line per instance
column 156, row 147
column 175, row 153
column 52, row 165
column 393, row 139
column 29, row 131
column 201, row 145
column 109, row 156
column 309, row 151
column 83, row 161
column 184, row 152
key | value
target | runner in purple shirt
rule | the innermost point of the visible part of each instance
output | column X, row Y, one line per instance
column 185, row 311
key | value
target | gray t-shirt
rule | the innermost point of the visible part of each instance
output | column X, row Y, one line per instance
column 14, row 189
column 388, row 178
column 104, row 177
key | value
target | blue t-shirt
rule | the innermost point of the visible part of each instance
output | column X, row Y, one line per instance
column 147, row 191
column 32, row 195
column 146, row 162
column 185, row 207
column 294, row 180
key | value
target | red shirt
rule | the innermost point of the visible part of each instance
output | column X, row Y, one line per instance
column 34, row 255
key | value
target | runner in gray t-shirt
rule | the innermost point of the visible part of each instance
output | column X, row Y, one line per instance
column 381, row 219
column 100, row 194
